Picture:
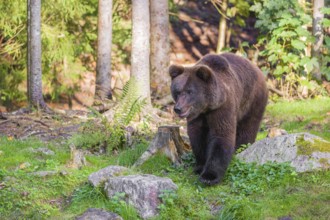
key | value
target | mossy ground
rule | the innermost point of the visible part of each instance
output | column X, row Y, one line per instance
column 248, row 192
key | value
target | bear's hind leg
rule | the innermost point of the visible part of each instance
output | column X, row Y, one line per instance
column 247, row 129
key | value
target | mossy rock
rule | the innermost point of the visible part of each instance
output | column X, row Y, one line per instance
column 307, row 147
column 304, row 151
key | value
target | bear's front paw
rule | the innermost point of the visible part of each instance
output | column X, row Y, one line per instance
column 209, row 178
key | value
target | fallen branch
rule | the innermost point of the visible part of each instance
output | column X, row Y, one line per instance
column 278, row 92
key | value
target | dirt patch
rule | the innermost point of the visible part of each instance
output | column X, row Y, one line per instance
column 44, row 126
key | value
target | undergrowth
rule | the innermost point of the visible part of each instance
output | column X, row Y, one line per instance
column 270, row 191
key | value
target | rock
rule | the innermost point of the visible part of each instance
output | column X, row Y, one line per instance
column 99, row 177
column 44, row 150
column 304, row 151
column 141, row 191
column 44, row 173
column 98, row 214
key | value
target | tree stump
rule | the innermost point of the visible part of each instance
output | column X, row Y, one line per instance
column 167, row 141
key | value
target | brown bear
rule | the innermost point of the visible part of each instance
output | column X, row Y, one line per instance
column 223, row 97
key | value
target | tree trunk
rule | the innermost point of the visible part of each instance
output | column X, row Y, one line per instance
column 167, row 141
column 140, row 64
column 159, row 48
column 222, row 27
column 34, row 74
column 104, row 42
column 318, row 34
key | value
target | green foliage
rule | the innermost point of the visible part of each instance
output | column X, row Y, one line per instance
column 309, row 115
column 69, row 33
column 325, row 57
column 168, row 199
column 120, row 206
column 248, row 178
column 283, row 24
column 248, row 191
column 129, row 106
column 237, row 10
column 102, row 136
column 129, row 157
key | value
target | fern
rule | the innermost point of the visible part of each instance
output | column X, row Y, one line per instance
column 128, row 107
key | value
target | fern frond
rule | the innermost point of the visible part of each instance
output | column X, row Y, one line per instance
column 129, row 105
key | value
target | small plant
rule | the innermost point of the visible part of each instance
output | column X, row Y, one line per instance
column 188, row 159
column 129, row 107
column 168, row 198
column 119, row 205
column 248, row 178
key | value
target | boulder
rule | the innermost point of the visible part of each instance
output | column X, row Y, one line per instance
column 304, row 151
column 98, row 214
column 141, row 191
column 99, row 177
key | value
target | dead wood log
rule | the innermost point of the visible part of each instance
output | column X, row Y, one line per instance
column 167, row 141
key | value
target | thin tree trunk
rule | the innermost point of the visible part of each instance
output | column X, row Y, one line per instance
column 159, row 48
column 104, row 42
column 222, row 27
column 140, row 64
column 318, row 34
column 34, row 73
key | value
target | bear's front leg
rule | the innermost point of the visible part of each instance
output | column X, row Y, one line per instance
column 220, row 146
column 219, row 154
column 197, row 131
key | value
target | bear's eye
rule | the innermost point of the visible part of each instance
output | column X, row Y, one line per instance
column 176, row 94
column 189, row 92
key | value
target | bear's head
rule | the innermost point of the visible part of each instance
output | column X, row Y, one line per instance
column 192, row 89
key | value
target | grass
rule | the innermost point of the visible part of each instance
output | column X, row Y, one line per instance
column 308, row 116
column 270, row 191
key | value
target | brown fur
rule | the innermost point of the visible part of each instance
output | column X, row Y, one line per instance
column 223, row 98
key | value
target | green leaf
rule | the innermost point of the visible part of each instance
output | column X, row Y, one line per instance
column 325, row 11
column 288, row 34
column 301, row 31
column 326, row 22
column 279, row 71
column 310, row 64
column 298, row 44
column 327, row 41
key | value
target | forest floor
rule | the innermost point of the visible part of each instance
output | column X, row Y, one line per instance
column 243, row 195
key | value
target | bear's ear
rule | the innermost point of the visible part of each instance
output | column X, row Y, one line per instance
column 175, row 70
column 216, row 62
column 204, row 73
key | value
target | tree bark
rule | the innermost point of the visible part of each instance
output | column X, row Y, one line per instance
column 159, row 48
column 318, row 34
column 104, row 42
column 140, row 64
column 222, row 27
column 34, row 73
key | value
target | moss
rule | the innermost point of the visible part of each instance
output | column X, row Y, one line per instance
column 308, row 147
column 324, row 162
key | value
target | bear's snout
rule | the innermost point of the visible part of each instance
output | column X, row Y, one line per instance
column 177, row 110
